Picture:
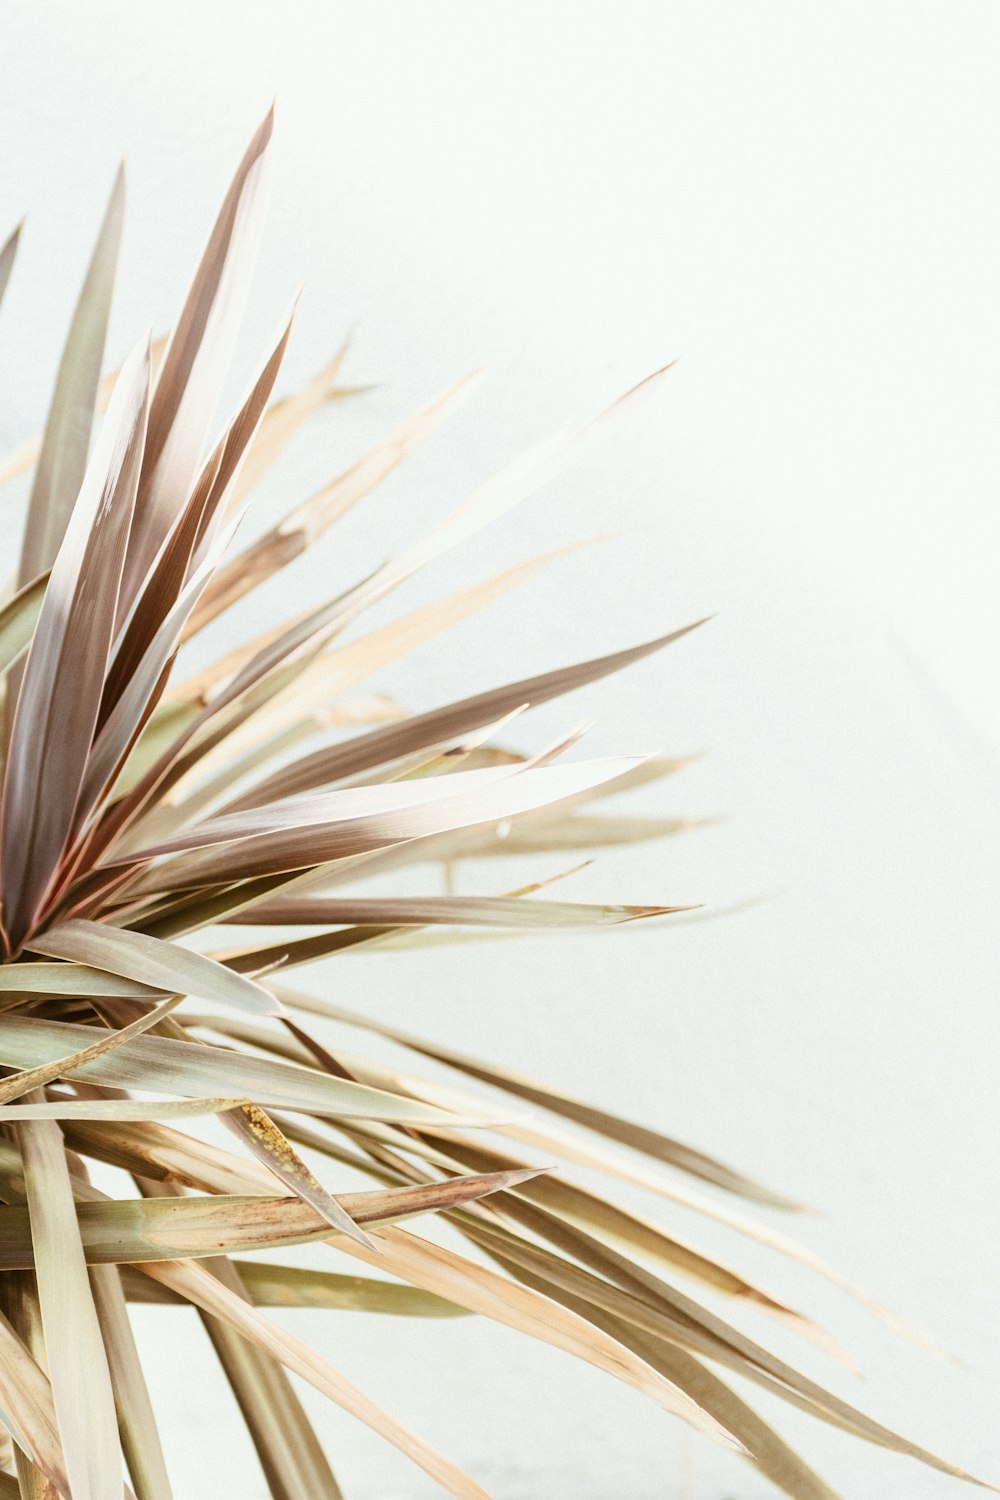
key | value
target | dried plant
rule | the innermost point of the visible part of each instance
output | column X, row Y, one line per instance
column 260, row 794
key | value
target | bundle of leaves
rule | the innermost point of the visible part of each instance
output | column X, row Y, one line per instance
column 138, row 812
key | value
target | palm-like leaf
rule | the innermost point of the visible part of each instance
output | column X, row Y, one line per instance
column 136, row 812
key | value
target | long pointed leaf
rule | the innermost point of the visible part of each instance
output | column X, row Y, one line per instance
column 196, row 1071
column 196, row 362
column 64, row 674
column 433, row 728
column 134, row 955
column 78, row 1367
column 308, row 521
column 63, row 457
column 27, row 1410
column 140, row 1437
column 198, row 1286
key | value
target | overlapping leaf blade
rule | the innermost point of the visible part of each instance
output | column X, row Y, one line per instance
column 60, row 693
column 134, row 814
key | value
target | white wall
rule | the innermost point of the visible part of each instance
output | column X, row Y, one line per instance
column 801, row 200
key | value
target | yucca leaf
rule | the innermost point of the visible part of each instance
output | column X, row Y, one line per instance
column 138, row 1230
column 483, row 1291
column 160, row 1154
column 422, row 730
column 115, row 1109
column 775, row 1459
column 81, row 1381
column 71, row 979
column 308, row 521
column 18, row 619
column 638, row 1137
column 283, row 419
column 27, row 1410
column 143, row 684
column 195, row 1071
column 555, row 1277
column 64, row 674
column 17, row 1084
column 329, row 673
column 66, row 442
column 290, row 1452
column 147, row 960
column 418, row 911
column 294, row 1464
column 412, row 810
column 198, row 1286
column 272, row 1285
column 140, row 1438
column 584, row 1223
column 196, row 363
column 255, row 1128
column 22, row 458
column 186, row 544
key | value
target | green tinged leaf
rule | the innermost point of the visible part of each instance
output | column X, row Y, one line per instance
column 136, row 1230
column 199, row 1287
column 78, row 1367
column 140, row 1438
column 17, row 1084
column 625, row 1132
column 148, row 960
column 194, row 1070
column 271, row 1285
column 18, row 619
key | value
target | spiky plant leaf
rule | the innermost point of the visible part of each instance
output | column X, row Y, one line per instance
column 257, row 793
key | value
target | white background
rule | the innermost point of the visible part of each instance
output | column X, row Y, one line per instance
column 802, row 201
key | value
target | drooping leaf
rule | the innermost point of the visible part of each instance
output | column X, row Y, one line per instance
column 625, row 1132
column 196, row 1071
column 290, row 1454
column 272, row 1285
column 198, row 1286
